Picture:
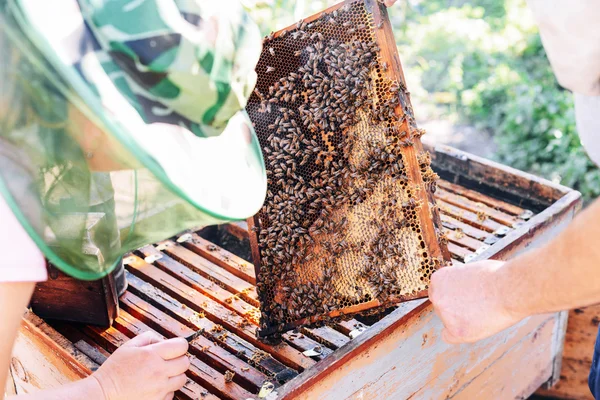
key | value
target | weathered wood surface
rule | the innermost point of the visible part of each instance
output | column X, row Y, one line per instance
column 391, row 367
column 66, row 298
column 573, row 383
column 44, row 359
column 198, row 285
column 581, row 334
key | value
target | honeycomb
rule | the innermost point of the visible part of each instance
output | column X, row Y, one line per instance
column 349, row 223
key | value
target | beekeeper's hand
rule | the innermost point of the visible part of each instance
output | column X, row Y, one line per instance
column 477, row 300
column 146, row 367
column 469, row 301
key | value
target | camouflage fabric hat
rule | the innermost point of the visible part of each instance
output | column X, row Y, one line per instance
column 132, row 103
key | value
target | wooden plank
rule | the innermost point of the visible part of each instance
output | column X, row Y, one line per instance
column 207, row 351
column 469, row 217
column 460, row 239
column 391, row 367
column 75, row 336
column 66, row 298
column 481, row 198
column 205, row 286
column 221, row 257
column 503, row 179
column 327, row 336
column 303, row 343
column 92, row 352
column 582, row 329
column 450, row 222
column 539, row 230
column 109, row 338
column 133, row 327
column 458, row 252
column 197, row 320
column 65, row 344
column 209, row 377
column 210, row 270
column 470, row 205
column 214, row 311
column 351, row 325
column 193, row 391
column 525, row 377
column 38, row 362
column 558, row 344
column 573, row 383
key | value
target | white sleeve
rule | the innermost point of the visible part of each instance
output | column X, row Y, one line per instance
column 21, row 259
column 570, row 33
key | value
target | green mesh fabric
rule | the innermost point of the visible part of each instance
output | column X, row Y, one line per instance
column 106, row 143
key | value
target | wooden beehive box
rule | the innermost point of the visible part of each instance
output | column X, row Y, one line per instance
column 198, row 284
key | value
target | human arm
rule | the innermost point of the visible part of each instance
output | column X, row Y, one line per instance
column 480, row 299
column 147, row 366
column 120, row 377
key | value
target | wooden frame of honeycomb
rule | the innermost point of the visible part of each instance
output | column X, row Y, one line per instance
column 349, row 224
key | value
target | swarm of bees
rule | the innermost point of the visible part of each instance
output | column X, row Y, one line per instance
column 328, row 79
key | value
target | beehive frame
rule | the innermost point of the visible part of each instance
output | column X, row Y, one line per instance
column 349, row 224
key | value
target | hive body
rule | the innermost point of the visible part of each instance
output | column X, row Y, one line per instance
column 349, row 223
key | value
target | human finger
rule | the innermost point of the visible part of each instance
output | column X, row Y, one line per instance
column 171, row 348
column 176, row 382
column 144, row 339
column 177, row 366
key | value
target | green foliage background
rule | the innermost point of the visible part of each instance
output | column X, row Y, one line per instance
column 482, row 63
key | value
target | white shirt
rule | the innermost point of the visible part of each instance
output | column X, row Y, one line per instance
column 570, row 33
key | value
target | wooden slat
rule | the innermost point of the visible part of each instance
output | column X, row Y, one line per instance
column 133, row 327
column 34, row 322
column 450, row 222
column 459, row 238
column 212, row 271
column 327, row 336
column 209, row 377
column 82, row 342
column 109, row 338
column 92, row 352
column 469, row 217
column 223, row 258
column 482, row 198
column 348, row 326
column 303, row 343
column 215, row 356
column 184, row 306
column 191, row 390
column 458, row 252
column 203, row 285
column 38, row 362
column 470, row 205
